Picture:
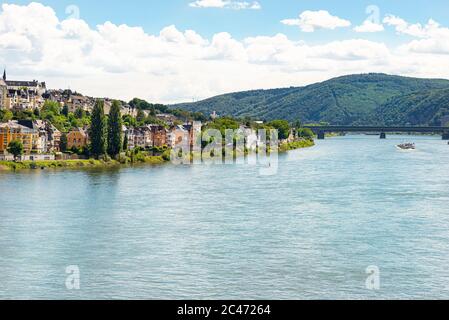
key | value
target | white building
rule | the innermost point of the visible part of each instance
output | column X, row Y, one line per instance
column 21, row 95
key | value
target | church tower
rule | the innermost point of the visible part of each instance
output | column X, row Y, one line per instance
column 3, row 91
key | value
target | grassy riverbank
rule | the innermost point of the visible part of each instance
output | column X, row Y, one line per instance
column 134, row 159
column 74, row 164
column 296, row 145
column 63, row 164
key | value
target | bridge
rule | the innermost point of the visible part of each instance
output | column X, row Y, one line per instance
column 321, row 131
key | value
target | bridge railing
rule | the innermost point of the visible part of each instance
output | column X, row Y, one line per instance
column 320, row 131
column 377, row 129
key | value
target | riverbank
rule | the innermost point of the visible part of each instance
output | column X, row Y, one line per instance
column 74, row 164
column 137, row 159
column 301, row 144
column 63, row 164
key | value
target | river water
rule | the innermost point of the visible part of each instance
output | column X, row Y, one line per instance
column 226, row 232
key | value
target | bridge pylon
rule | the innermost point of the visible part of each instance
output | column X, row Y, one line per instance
column 321, row 135
column 446, row 135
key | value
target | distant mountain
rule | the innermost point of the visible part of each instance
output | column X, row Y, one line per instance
column 348, row 100
column 427, row 107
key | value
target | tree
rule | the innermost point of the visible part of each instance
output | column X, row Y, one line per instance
column 65, row 110
column 125, row 142
column 305, row 133
column 115, row 130
column 15, row 147
column 63, row 143
column 283, row 128
column 98, row 130
column 80, row 113
column 129, row 121
column 51, row 107
column 6, row 115
column 140, row 117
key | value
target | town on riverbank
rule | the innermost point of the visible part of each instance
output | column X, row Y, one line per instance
column 42, row 128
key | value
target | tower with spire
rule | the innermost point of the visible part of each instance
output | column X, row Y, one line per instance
column 3, row 91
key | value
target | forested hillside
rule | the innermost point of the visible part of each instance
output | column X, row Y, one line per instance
column 355, row 99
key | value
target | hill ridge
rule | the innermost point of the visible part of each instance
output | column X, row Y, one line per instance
column 345, row 100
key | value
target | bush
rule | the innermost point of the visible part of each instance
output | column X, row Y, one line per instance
column 123, row 159
column 166, row 155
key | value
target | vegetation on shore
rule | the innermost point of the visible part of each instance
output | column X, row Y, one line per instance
column 82, row 164
column 296, row 145
column 109, row 147
column 134, row 157
column 61, row 164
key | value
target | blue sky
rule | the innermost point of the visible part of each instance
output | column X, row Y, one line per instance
column 172, row 51
column 153, row 15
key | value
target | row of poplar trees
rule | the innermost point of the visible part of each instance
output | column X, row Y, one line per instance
column 106, row 133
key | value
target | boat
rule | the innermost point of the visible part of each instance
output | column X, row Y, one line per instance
column 406, row 146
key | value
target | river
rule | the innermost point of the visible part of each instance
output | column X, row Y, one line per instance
column 226, row 232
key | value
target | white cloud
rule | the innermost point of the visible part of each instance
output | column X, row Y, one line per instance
column 12, row 41
column 369, row 27
column 309, row 21
column 121, row 61
column 226, row 4
column 432, row 38
column 224, row 47
column 432, row 28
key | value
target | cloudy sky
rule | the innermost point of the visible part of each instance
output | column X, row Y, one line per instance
column 184, row 50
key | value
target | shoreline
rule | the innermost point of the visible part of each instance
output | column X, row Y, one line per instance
column 10, row 166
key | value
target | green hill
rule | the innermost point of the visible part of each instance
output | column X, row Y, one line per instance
column 417, row 108
column 347, row 100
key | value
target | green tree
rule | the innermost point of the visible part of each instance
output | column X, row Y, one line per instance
column 80, row 113
column 15, row 147
column 283, row 128
column 125, row 142
column 6, row 115
column 140, row 117
column 51, row 107
column 63, row 143
column 129, row 121
column 65, row 111
column 223, row 123
column 305, row 133
column 114, row 130
column 98, row 130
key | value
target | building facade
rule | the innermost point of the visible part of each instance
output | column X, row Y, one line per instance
column 49, row 134
column 22, row 95
column 76, row 101
column 12, row 131
column 188, row 133
column 139, row 137
column 159, row 135
column 37, row 136
column 3, row 94
column 177, row 136
column 77, row 138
